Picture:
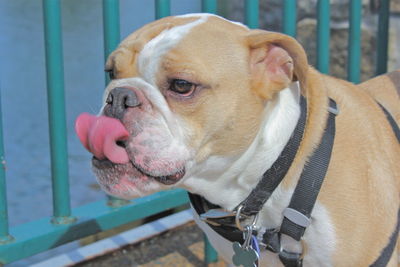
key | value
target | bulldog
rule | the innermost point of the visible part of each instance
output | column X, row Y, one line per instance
column 205, row 104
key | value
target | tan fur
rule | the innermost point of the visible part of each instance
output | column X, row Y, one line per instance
column 385, row 89
column 364, row 167
column 362, row 185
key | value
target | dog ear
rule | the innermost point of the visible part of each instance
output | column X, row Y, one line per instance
column 276, row 60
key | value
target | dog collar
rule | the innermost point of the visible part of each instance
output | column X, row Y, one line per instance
column 297, row 215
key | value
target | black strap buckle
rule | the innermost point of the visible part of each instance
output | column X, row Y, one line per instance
column 291, row 259
column 272, row 242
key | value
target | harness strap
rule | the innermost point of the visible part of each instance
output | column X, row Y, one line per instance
column 387, row 252
column 297, row 219
column 297, row 215
column 392, row 122
column 275, row 174
column 224, row 227
column 309, row 184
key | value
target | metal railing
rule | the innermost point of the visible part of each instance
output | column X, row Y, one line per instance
column 68, row 225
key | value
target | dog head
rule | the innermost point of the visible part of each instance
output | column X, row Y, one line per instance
column 183, row 90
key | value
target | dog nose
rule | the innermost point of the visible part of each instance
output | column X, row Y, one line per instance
column 118, row 100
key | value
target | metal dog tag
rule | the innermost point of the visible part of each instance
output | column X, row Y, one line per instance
column 245, row 255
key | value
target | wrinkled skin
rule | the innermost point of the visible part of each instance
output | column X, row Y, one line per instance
column 138, row 153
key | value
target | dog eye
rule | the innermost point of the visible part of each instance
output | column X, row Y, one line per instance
column 182, row 87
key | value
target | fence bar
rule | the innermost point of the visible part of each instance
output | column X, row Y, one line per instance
column 4, row 233
column 112, row 37
column 251, row 13
column 323, row 36
column 111, row 30
column 210, row 254
column 209, row 6
column 354, row 56
column 163, row 8
column 289, row 17
column 56, row 110
column 383, row 37
column 41, row 235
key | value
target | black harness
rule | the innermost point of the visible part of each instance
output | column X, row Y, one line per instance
column 297, row 214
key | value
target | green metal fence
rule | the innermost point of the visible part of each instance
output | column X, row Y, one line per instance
column 68, row 225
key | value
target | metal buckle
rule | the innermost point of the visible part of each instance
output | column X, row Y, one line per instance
column 297, row 217
column 303, row 250
column 238, row 217
column 271, row 240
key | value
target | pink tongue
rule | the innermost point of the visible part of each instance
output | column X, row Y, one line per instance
column 100, row 134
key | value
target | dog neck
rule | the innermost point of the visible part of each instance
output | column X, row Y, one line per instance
column 238, row 175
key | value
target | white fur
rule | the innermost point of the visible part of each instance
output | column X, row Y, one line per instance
column 239, row 174
column 156, row 99
column 191, row 15
column 149, row 58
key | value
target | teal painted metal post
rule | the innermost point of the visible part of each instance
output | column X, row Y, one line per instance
column 111, row 30
column 354, row 48
column 290, row 17
column 5, row 237
column 209, row 6
column 111, row 36
column 323, row 36
column 252, row 13
column 56, row 110
column 383, row 37
column 163, row 8
column 210, row 254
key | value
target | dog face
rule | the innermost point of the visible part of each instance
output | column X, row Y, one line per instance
column 184, row 90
